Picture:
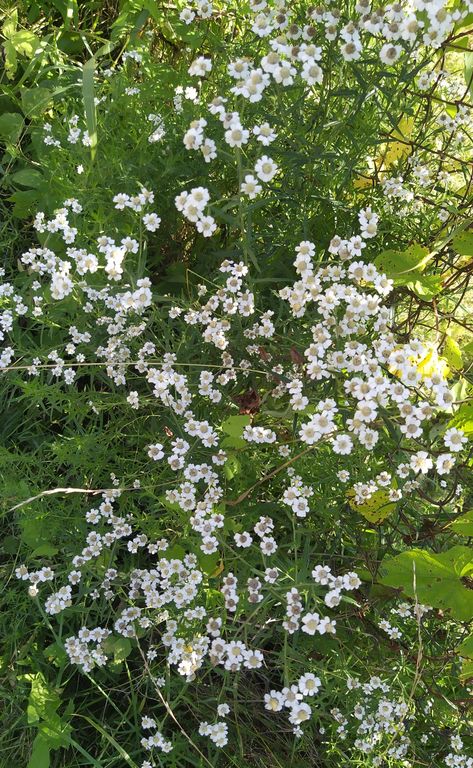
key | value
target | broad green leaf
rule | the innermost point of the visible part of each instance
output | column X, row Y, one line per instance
column 463, row 243
column 11, row 60
column 463, row 525
column 425, row 286
column 24, row 42
column 28, row 177
column 120, row 647
column 208, row 563
column 11, row 22
column 35, row 101
column 235, row 425
column 45, row 550
column 466, row 648
column 24, row 201
column 11, row 124
column 88, row 95
column 398, row 265
column 40, row 753
column 237, row 443
column 439, row 578
column 42, row 708
column 463, row 419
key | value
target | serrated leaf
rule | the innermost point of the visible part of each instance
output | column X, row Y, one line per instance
column 42, row 708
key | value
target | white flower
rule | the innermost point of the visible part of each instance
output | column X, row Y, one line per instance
column 454, row 439
column 389, row 53
column 309, row 684
column 342, row 444
column 300, row 712
column 200, row 67
column 206, row 225
column 310, row 623
column 265, row 168
column 274, row 701
column 421, row 462
column 311, row 73
column 250, row 187
column 151, row 221
column 156, row 451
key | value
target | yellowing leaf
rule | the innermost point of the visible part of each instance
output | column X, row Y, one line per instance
column 431, row 363
column 363, row 182
column 376, row 509
column 452, row 354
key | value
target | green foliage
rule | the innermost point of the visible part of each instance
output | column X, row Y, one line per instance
column 442, row 580
column 341, row 145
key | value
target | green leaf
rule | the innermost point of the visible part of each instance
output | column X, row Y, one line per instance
column 11, row 124
column 469, row 72
column 463, row 243
column 11, row 60
column 208, row 563
column 466, row 648
column 120, row 647
column 40, row 754
column 237, row 443
column 425, row 286
column 24, row 202
column 25, row 42
column 452, row 353
column 11, row 22
column 463, row 525
column 28, row 177
column 463, row 419
column 88, row 95
column 438, row 578
column 45, row 550
column 466, row 673
column 35, row 101
column 42, row 708
column 398, row 264
column 235, row 425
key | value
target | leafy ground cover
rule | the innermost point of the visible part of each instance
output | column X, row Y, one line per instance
column 236, row 384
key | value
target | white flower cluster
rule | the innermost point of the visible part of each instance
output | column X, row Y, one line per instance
column 192, row 204
column 201, row 9
column 291, row 698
